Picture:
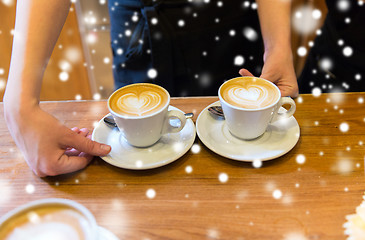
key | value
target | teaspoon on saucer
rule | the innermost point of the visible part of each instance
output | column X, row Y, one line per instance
column 109, row 120
column 216, row 110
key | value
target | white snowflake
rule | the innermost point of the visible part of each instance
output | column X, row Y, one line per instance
column 326, row 64
column 181, row 23
column 63, row 76
column 277, row 194
column 343, row 166
column 188, row 169
column 246, row 4
column 232, row 33
column 302, row 51
column 135, row 18
column 2, row 84
column 239, row 60
column 300, row 159
column 305, row 19
column 30, row 188
column 8, row 3
column 106, row 60
column 343, row 5
column 316, row 14
column 151, row 193
column 347, row 51
column 195, row 148
column 119, row 51
column 358, row 76
column 250, row 33
column 154, row 21
column 139, row 163
column 299, row 99
column 344, row 127
column 152, row 73
column 257, row 163
column 316, row 92
column 223, row 177
column 78, row 97
column 97, row 96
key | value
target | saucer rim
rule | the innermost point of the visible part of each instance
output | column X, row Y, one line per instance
column 106, row 234
column 157, row 164
column 234, row 157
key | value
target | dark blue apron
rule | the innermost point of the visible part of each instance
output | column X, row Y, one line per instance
column 342, row 42
column 192, row 47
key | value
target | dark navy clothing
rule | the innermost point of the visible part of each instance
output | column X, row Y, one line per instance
column 342, row 44
column 192, row 45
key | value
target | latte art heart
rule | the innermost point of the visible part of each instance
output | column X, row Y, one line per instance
column 138, row 100
column 250, row 93
column 139, row 105
column 253, row 96
column 47, row 222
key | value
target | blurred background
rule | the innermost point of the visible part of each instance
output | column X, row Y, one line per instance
column 81, row 64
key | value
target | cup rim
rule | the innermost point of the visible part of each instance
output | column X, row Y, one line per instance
column 59, row 201
column 144, row 116
column 249, row 109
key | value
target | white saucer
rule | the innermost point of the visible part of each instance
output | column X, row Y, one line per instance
column 105, row 234
column 169, row 148
column 279, row 138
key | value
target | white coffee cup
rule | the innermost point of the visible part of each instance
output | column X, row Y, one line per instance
column 250, row 104
column 141, row 113
column 47, row 219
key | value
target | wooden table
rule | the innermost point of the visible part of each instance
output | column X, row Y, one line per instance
column 315, row 195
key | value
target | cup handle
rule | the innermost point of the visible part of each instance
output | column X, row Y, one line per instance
column 287, row 114
column 173, row 117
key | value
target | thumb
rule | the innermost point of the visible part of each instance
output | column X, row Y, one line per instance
column 86, row 145
column 244, row 72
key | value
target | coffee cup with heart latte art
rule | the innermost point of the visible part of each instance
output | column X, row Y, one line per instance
column 52, row 218
column 250, row 104
column 141, row 113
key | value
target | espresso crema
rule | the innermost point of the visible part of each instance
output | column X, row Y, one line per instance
column 249, row 92
column 138, row 100
column 47, row 222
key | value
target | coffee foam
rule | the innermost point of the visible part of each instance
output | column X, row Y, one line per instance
column 138, row 100
column 54, row 223
column 249, row 93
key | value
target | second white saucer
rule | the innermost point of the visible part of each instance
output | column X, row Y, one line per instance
column 279, row 138
column 105, row 234
column 169, row 148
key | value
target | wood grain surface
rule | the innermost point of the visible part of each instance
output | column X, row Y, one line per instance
column 316, row 194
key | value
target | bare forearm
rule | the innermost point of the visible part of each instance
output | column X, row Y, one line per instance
column 38, row 25
column 275, row 23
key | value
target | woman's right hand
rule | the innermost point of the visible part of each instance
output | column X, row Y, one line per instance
column 49, row 147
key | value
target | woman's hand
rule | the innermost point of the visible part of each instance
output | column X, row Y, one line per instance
column 49, row 147
column 278, row 68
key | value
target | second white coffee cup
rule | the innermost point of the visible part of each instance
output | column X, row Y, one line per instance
column 49, row 218
column 141, row 113
column 250, row 104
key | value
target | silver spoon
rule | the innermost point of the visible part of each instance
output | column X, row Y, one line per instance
column 216, row 110
column 109, row 120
